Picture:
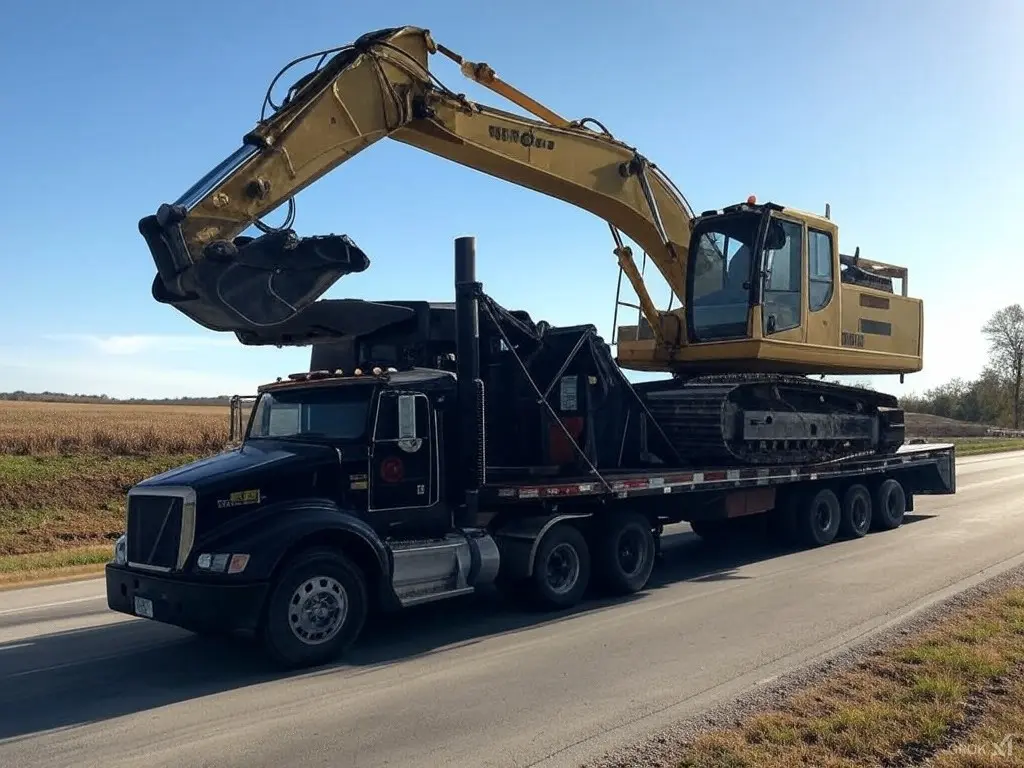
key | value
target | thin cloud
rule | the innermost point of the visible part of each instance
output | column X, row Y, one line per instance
column 133, row 344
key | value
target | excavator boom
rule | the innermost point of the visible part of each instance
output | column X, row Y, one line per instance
column 381, row 87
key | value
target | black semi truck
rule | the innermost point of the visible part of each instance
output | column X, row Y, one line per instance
column 463, row 445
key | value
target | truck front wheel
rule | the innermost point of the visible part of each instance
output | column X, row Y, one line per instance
column 561, row 568
column 316, row 610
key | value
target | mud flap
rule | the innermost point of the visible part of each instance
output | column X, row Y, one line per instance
column 251, row 283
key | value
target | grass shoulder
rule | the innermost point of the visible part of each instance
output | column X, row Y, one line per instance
column 59, row 565
column 976, row 446
column 52, row 503
column 950, row 695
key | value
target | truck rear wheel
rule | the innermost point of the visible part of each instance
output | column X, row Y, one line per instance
column 816, row 518
column 856, row 517
column 890, row 505
column 316, row 610
column 561, row 569
column 624, row 551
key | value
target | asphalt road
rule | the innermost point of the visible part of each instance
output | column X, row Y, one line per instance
column 474, row 683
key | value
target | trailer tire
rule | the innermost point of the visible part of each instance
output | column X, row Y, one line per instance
column 890, row 505
column 816, row 518
column 561, row 569
column 624, row 553
column 857, row 512
column 292, row 626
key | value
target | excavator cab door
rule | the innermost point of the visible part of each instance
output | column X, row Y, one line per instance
column 782, row 280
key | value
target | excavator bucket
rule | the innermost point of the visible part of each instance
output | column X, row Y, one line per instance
column 248, row 284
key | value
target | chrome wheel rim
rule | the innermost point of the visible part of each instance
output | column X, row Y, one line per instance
column 563, row 568
column 317, row 610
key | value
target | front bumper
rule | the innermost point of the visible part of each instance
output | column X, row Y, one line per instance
column 191, row 605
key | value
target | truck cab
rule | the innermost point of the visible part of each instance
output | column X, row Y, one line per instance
column 329, row 463
column 383, row 434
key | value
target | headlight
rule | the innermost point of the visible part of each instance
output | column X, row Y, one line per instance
column 222, row 562
column 121, row 549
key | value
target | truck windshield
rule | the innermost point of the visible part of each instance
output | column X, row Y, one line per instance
column 324, row 413
column 721, row 263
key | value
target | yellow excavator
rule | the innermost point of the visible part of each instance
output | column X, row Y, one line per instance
column 765, row 296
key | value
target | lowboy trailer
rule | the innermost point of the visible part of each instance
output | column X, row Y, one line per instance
column 519, row 456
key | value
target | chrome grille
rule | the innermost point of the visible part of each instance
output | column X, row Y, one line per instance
column 159, row 528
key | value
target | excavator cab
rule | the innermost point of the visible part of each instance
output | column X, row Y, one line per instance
column 768, row 291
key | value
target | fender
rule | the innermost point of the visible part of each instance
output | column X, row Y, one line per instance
column 519, row 539
column 271, row 532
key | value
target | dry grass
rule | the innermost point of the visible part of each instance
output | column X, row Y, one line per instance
column 63, row 564
column 977, row 446
column 950, row 694
column 63, row 429
column 927, row 425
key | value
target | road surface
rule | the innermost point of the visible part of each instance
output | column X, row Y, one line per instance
column 474, row 684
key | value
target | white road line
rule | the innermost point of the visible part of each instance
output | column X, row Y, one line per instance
column 27, row 608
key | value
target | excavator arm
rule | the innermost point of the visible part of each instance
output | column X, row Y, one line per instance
column 381, row 86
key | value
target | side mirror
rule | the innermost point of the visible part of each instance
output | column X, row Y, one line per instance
column 775, row 239
column 406, row 417
column 408, row 440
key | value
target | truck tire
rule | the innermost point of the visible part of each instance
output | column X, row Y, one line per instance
column 624, row 552
column 890, row 505
column 316, row 609
column 856, row 516
column 816, row 518
column 561, row 569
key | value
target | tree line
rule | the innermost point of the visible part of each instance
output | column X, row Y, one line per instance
column 994, row 397
column 64, row 397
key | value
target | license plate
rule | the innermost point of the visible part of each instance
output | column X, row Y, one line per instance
column 144, row 607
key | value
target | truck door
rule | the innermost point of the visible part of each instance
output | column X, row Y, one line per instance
column 404, row 467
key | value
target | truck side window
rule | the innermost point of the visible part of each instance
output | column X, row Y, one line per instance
column 819, row 273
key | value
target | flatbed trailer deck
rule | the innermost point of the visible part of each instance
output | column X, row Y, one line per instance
column 391, row 488
column 928, row 469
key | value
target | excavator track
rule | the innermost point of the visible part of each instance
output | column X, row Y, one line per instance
column 766, row 419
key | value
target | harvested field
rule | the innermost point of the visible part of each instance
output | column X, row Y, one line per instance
column 64, row 429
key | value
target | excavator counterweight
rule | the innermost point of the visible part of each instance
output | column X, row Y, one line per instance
column 764, row 296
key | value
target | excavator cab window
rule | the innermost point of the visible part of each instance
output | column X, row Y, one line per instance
column 720, row 263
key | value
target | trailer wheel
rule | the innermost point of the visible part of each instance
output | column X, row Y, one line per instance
column 856, row 516
column 816, row 518
column 316, row 609
column 561, row 568
column 624, row 554
column 890, row 505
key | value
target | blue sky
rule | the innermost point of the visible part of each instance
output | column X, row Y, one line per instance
column 905, row 116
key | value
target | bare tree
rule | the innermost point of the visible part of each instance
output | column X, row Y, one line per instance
column 1005, row 334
